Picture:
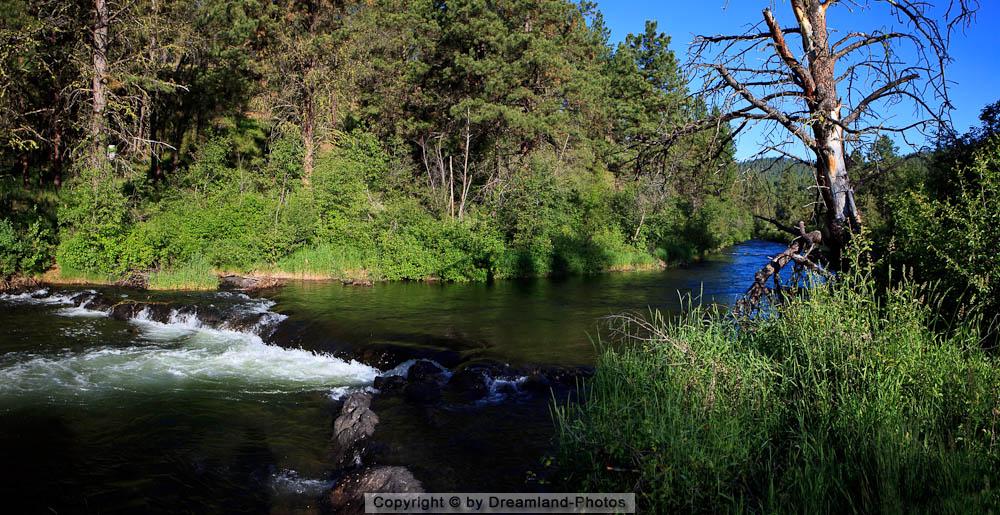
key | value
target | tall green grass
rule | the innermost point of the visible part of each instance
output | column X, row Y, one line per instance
column 846, row 402
column 338, row 262
column 198, row 274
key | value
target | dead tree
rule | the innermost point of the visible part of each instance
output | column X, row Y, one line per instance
column 822, row 89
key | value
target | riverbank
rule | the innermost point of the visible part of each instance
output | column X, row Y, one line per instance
column 200, row 277
column 850, row 401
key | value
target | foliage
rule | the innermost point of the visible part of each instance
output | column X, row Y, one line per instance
column 94, row 218
column 847, row 401
column 954, row 239
column 386, row 139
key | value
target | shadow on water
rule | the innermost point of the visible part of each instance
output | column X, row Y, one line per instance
column 100, row 415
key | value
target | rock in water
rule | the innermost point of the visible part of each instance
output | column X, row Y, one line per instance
column 468, row 384
column 154, row 311
column 349, row 494
column 390, row 384
column 355, row 424
column 425, row 370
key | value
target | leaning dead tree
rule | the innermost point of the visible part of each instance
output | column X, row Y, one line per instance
column 819, row 86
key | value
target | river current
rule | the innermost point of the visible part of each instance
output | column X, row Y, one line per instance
column 181, row 413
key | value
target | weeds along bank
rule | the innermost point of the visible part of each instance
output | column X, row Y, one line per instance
column 849, row 401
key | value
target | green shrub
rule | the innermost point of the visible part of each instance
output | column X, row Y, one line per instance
column 24, row 249
column 954, row 239
column 94, row 222
column 10, row 250
column 845, row 402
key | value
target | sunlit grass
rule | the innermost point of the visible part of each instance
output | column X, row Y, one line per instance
column 68, row 275
column 196, row 275
column 628, row 259
column 325, row 262
column 846, row 402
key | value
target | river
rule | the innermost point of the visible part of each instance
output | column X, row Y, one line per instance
column 105, row 415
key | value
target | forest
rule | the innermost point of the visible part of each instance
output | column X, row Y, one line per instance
column 149, row 147
column 358, row 140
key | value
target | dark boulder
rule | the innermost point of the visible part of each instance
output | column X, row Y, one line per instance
column 245, row 322
column 492, row 368
column 536, row 381
column 353, row 427
column 390, row 384
column 129, row 310
column 237, row 282
column 95, row 302
column 206, row 316
column 469, row 384
column 425, row 370
column 348, row 496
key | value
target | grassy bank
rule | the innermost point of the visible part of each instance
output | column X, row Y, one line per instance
column 320, row 263
column 847, row 402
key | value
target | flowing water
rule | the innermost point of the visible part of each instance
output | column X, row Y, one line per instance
column 178, row 414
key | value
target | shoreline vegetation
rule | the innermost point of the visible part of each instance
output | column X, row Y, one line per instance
column 201, row 277
column 849, row 399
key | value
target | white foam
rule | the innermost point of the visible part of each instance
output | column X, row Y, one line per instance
column 288, row 482
column 197, row 358
column 41, row 296
column 82, row 311
column 498, row 389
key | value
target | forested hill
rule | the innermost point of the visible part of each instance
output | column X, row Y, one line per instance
column 385, row 139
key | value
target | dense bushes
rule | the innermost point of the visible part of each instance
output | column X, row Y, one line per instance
column 24, row 248
column 953, row 238
column 360, row 217
column 846, row 402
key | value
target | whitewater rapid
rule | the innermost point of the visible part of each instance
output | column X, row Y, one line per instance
column 180, row 354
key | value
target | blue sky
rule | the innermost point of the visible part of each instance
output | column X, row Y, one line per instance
column 976, row 81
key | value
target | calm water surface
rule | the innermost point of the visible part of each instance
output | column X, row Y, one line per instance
column 100, row 415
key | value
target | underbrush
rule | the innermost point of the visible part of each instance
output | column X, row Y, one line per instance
column 848, row 401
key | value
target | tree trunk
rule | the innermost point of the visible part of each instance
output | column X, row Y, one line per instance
column 820, row 87
column 57, row 155
column 25, row 176
column 842, row 216
column 308, row 140
column 100, row 101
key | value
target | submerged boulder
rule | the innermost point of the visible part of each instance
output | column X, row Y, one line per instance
column 95, row 302
column 348, row 496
